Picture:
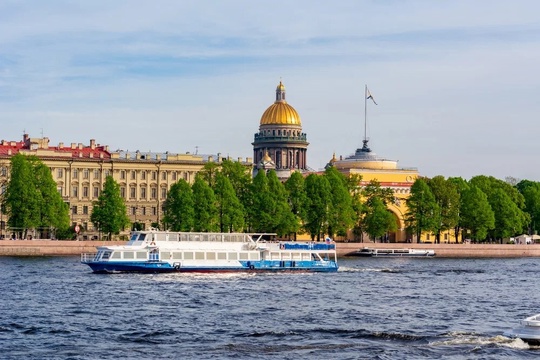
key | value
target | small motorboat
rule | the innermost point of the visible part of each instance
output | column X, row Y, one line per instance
column 529, row 331
column 392, row 252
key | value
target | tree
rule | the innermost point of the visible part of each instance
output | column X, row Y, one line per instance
column 230, row 210
column 205, row 210
column 297, row 198
column 460, row 185
column 208, row 173
column 31, row 199
column 240, row 178
column 109, row 211
column 476, row 213
column 423, row 212
column 284, row 219
column 317, row 206
column 341, row 214
column 261, row 211
column 178, row 208
column 531, row 193
column 378, row 219
column 509, row 219
column 447, row 198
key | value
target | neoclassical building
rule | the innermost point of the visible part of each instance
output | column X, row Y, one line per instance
column 280, row 143
column 370, row 166
column 79, row 171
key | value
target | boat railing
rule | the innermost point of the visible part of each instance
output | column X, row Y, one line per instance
column 88, row 257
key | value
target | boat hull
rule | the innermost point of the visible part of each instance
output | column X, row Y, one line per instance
column 164, row 267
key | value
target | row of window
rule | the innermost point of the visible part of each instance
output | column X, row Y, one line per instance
column 151, row 210
column 132, row 192
column 153, row 175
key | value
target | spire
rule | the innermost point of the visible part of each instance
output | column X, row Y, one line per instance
column 280, row 92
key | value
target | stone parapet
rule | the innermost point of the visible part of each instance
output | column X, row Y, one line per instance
column 51, row 247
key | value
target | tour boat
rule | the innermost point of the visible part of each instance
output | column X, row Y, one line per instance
column 529, row 331
column 163, row 251
column 392, row 252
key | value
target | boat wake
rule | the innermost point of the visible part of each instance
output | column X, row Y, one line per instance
column 466, row 338
column 384, row 270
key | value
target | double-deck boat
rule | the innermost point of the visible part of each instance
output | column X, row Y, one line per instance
column 529, row 331
column 163, row 251
column 392, row 252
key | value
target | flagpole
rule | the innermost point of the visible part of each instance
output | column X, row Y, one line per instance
column 365, row 114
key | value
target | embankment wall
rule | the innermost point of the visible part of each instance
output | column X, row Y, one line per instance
column 55, row 248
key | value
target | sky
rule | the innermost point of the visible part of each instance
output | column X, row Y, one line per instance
column 457, row 83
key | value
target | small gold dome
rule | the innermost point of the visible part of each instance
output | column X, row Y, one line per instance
column 280, row 113
column 280, row 87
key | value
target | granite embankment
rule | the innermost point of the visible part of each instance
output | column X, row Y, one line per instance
column 54, row 248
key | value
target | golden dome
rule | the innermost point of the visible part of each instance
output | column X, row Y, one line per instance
column 280, row 113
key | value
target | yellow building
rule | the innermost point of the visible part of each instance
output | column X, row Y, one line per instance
column 370, row 166
column 80, row 170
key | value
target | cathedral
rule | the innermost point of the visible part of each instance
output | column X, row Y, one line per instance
column 280, row 143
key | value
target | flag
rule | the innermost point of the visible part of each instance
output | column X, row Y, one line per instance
column 369, row 96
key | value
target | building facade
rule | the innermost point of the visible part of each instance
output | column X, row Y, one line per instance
column 80, row 171
column 280, row 139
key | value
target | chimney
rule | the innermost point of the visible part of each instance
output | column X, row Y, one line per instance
column 92, row 143
column 80, row 146
column 73, row 145
column 61, row 145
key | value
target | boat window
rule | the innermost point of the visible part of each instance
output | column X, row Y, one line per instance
column 134, row 236
column 222, row 256
column 160, row 237
column 297, row 256
column 253, row 256
column 177, row 255
column 210, row 256
column 244, row 256
column 142, row 237
column 233, row 256
column 199, row 255
column 129, row 254
column 166, row 255
column 188, row 256
column 141, row 254
column 173, row 237
column 115, row 255
column 106, row 255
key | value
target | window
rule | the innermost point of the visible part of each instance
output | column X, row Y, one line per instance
column 75, row 173
column 163, row 193
column 164, row 176
column 96, row 174
column 173, row 174
column 85, row 210
column 143, row 192
column 59, row 188
column 123, row 192
column 122, row 174
column 153, row 193
column 133, row 210
column 96, row 192
column 143, row 175
column 85, row 191
column 144, row 210
column 186, row 176
column 133, row 175
column 86, row 174
column 154, row 175
column 107, row 173
column 74, row 210
column 154, row 210
column 60, row 173
column 132, row 193
column 74, row 191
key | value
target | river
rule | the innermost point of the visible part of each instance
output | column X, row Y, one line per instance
column 372, row 308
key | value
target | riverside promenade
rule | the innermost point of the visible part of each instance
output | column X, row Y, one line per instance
column 60, row 247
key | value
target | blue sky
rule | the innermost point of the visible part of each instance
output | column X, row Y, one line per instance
column 456, row 82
